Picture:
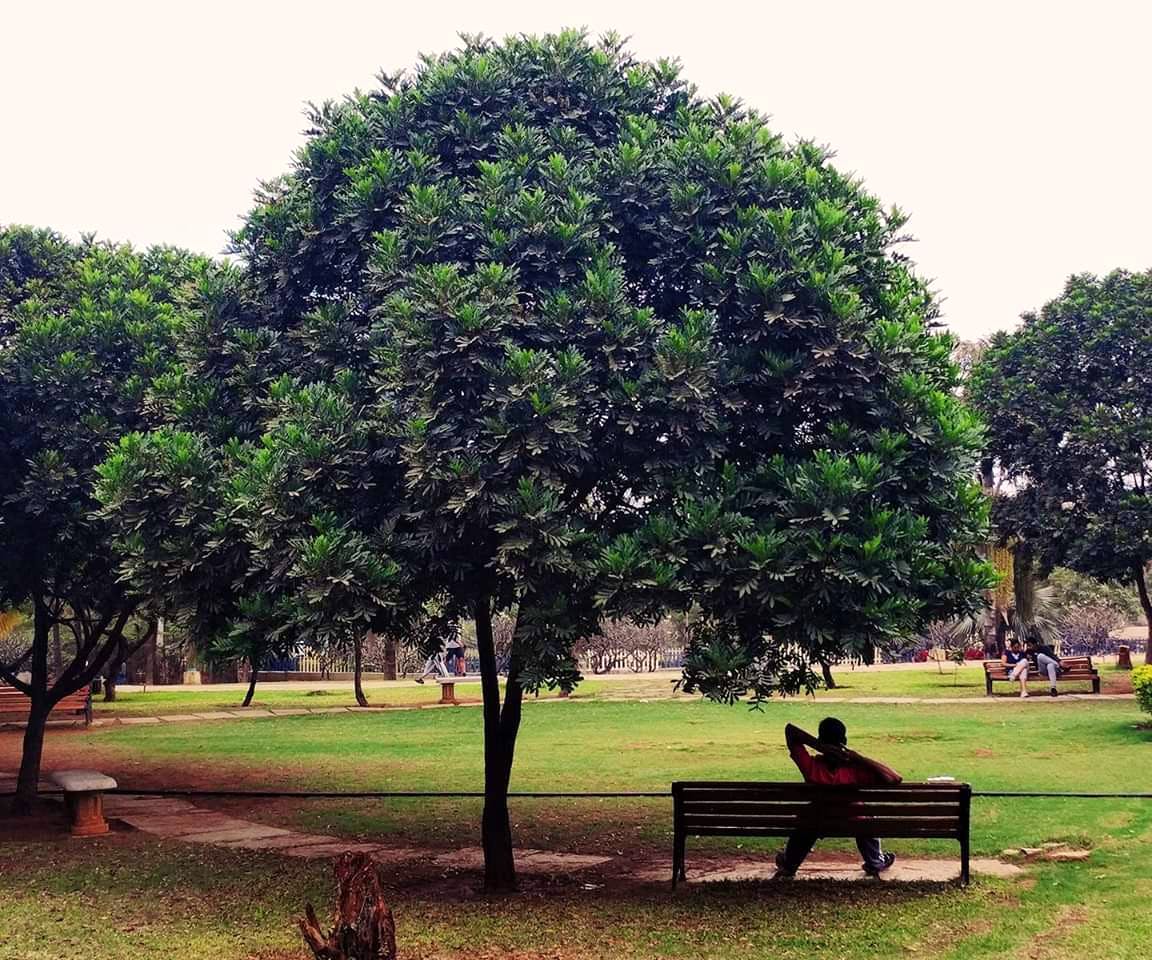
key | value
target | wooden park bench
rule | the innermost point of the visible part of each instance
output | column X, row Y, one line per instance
column 755, row 809
column 1071, row 668
column 84, row 795
column 14, row 705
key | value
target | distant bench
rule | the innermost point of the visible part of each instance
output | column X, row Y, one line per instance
column 14, row 705
column 1071, row 668
column 761, row 809
column 448, row 687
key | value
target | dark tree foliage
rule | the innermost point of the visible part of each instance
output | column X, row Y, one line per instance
column 92, row 333
column 584, row 344
column 1069, row 414
column 36, row 267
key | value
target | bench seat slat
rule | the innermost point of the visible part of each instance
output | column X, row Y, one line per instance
column 848, row 825
column 846, row 831
column 807, row 795
column 854, row 808
column 831, row 831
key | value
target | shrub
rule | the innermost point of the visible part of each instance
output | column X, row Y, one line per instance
column 1142, row 687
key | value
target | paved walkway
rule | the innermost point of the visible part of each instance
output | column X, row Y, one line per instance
column 180, row 820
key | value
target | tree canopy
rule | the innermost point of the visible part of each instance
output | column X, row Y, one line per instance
column 1069, row 414
column 538, row 327
column 91, row 333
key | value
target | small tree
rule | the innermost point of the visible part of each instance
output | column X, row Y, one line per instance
column 1070, row 420
column 73, row 377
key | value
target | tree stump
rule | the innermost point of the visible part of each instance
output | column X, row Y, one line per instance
column 1124, row 658
column 363, row 929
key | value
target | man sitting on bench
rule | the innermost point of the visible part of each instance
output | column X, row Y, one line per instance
column 1044, row 658
column 834, row 763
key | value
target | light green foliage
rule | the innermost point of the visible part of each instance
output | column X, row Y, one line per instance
column 1142, row 686
column 1071, row 590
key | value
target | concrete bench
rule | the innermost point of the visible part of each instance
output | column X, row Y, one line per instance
column 84, row 795
column 448, row 686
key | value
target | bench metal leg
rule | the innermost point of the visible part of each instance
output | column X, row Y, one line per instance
column 1096, row 684
column 678, row 859
column 965, row 872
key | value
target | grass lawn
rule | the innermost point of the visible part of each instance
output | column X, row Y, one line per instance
column 131, row 896
column 920, row 681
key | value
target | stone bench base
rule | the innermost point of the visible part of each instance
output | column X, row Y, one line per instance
column 84, row 796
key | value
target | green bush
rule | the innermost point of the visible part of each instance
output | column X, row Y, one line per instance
column 1142, row 686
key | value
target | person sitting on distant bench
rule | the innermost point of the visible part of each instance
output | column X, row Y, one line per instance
column 834, row 763
column 1044, row 658
column 1016, row 662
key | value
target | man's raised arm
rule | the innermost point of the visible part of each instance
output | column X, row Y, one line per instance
column 885, row 773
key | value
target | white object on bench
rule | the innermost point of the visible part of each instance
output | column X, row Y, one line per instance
column 84, row 795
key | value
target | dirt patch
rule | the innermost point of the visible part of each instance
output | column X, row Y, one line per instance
column 908, row 736
column 47, row 822
column 1048, row 943
column 984, row 753
column 1119, row 681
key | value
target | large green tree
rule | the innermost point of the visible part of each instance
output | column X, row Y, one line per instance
column 597, row 345
column 86, row 339
column 1069, row 412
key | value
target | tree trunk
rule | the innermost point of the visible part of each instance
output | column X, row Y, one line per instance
column 1146, row 604
column 152, row 651
column 390, row 670
column 255, row 672
column 826, row 670
column 110, row 674
column 358, row 671
column 28, row 780
column 57, row 651
column 1023, row 591
column 364, row 929
column 501, row 726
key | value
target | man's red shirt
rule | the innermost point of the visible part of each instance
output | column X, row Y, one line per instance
column 822, row 769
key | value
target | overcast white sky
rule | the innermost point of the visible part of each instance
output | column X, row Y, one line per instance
column 1016, row 133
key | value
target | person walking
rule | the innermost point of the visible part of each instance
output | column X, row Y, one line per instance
column 455, row 656
column 833, row 763
column 434, row 666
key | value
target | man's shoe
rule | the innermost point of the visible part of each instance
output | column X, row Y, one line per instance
column 419, row 679
column 889, row 859
column 1054, row 692
column 1023, row 694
